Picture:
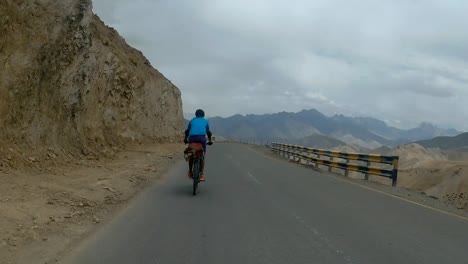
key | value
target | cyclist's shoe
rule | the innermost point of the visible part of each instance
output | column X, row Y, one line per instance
column 202, row 177
column 190, row 175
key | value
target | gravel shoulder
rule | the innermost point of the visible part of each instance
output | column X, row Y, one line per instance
column 46, row 212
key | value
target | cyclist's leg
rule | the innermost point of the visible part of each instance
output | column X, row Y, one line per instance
column 190, row 167
column 201, row 140
column 190, row 162
column 202, row 165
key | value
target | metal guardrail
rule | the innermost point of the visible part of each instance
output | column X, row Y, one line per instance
column 304, row 154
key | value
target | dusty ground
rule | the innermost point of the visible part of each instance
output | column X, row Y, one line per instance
column 429, row 172
column 444, row 180
column 45, row 211
column 432, row 172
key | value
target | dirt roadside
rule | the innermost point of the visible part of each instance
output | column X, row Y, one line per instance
column 44, row 212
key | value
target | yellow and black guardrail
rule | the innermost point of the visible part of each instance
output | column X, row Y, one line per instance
column 304, row 154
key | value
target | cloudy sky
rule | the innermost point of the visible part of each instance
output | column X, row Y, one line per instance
column 402, row 61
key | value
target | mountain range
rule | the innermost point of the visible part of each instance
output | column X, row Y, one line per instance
column 459, row 142
column 313, row 128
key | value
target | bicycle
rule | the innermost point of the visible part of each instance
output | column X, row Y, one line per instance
column 196, row 154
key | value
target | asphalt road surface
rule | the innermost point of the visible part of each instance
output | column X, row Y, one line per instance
column 255, row 209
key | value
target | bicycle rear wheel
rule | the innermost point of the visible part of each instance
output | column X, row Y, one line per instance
column 196, row 175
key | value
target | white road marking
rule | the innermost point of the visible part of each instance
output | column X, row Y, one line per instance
column 375, row 190
column 403, row 199
column 231, row 158
column 237, row 163
column 254, row 178
column 323, row 239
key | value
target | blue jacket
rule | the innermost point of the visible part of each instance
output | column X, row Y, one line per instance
column 198, row 127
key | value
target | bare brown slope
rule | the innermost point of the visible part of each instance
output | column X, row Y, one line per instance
column 429, row 171
column 68, row 81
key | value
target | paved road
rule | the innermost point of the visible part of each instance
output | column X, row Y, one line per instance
column 254, row 209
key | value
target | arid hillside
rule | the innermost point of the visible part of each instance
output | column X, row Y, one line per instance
column 432, row 172
column 76, row 104
column 69, row 83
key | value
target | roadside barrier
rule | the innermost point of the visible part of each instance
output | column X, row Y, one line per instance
column 305, row 154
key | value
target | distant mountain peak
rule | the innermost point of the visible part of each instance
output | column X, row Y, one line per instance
column 356, row 131
column 427, row 125
column 446, row 142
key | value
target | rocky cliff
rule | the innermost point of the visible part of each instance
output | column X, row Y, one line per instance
column 66, row 79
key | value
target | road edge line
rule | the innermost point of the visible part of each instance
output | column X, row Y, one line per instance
column 381, row 192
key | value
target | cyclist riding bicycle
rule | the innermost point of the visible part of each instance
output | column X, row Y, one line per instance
column 198, row 129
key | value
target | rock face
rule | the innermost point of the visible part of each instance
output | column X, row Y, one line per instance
column 68, row 79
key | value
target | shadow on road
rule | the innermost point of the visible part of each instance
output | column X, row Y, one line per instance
column 184, row 189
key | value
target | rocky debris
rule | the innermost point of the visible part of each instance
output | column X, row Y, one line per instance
column 137, row 178
column 457, row 171
column 109, row 189
column 459, row 200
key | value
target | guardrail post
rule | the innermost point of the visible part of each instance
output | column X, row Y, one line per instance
column 346, row 172
column 366, row 175
column 316, row 164
column 330, row 167
column 395, row 171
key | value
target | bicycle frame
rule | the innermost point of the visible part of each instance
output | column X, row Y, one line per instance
column 196, row 158
column 196, row 154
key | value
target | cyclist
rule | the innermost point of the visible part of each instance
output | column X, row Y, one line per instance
column 198, row 129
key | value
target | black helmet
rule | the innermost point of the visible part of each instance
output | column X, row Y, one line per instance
column 200, row 113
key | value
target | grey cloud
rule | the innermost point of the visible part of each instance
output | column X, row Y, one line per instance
column 393, row 60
